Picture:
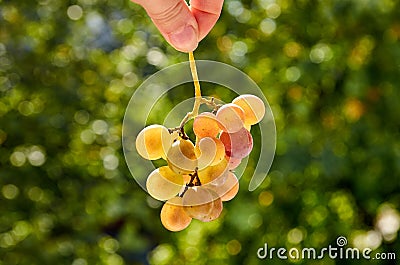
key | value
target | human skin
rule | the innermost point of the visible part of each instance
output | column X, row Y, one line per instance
column 181, row 25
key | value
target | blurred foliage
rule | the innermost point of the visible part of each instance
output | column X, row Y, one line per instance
column 330, row 70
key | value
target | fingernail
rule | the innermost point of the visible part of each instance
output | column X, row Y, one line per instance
column 184, row 39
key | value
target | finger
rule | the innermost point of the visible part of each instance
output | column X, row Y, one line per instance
column 175, row 22
column 206, row 13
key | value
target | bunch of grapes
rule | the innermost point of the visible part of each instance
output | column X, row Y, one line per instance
column 199, row 177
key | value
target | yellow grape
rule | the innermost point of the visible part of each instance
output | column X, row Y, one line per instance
column 202, row 204
column 197, row 202
column 163, row 183
column 197, row 195
column 174, row 136
column 206, row 125
column 215, row 212
column 173, row 216
column 230, row 117
column 213, row 173
column 186, row 178
column 209, row 151
column 153, row 142
column 253, row 107
column 181, row 157
column 228, row 190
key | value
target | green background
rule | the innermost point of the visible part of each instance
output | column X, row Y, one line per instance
column 329, row 69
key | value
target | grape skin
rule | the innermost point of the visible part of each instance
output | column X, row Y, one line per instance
column 173, row 216
column 163, row 183
column 228, row 190
column 233, row 162
column 216, row 210
column 206, row 125
column 202, row 204
column 212, row 173
column 181, row 157
column 238, row 144
column 253, row 107
column 197, row 195
column 209, row 151
column 230, row 117
column 153, row 142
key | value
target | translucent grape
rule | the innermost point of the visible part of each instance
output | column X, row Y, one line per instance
column 197, row 195
column 216, row 211
column 153, row 142
column 209, row 151
column 163, row 183
column 202, row 204
column 173, row 216
column 218, row 181
column 228, row 190
column 174, row 136
column 181, row 157
column 186, row 178
column 238, row 144
column 253, row 107
column 206, row 125
column 230, row 117
column 212, row 173
column 233, row 162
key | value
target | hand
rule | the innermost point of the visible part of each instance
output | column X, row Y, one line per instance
column 182, row 26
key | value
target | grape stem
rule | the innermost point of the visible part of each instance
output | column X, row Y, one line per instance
column 194, row 181
column 211, row 102
column 197, row 90
column 197, row 101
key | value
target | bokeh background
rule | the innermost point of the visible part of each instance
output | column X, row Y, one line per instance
column 329, row 69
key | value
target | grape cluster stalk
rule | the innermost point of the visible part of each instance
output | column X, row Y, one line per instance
column 199, row 176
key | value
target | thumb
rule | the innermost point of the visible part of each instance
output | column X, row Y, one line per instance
column 175, row 22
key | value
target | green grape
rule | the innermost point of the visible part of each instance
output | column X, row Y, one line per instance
column 181, row 157
column 230, row 117
column 163, row 183
column 206, row 125
column 253, row 107
column 173, row 216
column 209, row 151
column 153, row 142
